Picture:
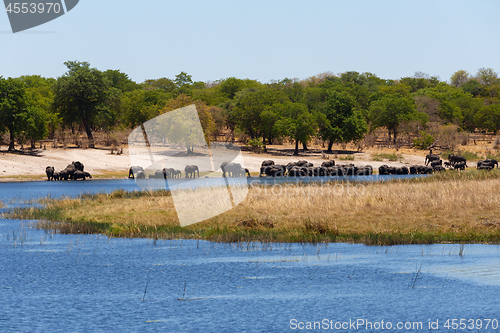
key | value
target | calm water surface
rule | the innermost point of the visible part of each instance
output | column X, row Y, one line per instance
column 91, row 283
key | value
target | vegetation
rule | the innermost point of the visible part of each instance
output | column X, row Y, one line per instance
column 391, row 157
column 448, row 207
column 336, row 109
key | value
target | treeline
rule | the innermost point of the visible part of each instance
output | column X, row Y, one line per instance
column 334, row 108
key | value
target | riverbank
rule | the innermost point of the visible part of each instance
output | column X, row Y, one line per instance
column 458, row 207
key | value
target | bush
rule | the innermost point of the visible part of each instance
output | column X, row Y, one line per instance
column 424, row 141
column 255, row 145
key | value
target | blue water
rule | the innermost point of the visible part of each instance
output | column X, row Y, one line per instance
column 92, row 283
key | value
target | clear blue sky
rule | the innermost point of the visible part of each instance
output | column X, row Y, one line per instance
column 262, row 40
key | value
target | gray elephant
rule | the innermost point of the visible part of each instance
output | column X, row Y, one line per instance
column 191, row 171
column 132, row 172
column 460, row 166
column 487, row 162
column 431, row 158
column 328, row 164
column 233, row 170
column 454, row 159
column 50, row 173
column 81, row 175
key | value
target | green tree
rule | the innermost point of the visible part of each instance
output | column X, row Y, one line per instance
column 13, row 108
column 295, row 122
column 459, row 78
column 488, row 118
column 163, row 83
column 248, row 107
column 344, row 122
column 81, row 95
column 391, row 111
column 40, row 120
column 121, row 80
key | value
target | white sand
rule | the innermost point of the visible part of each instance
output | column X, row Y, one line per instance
column 96, row 161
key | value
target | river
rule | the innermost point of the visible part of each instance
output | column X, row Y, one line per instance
column 92, row 283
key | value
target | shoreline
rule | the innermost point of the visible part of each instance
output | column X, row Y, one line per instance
column 453, row 208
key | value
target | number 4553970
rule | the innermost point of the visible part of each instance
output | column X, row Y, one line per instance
column 32, row 8
column 471, row 324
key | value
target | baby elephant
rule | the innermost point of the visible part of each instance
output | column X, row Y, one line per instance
column 81, row 175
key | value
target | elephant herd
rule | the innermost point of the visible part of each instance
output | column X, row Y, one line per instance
column 303, row 168
column 455, row 162
column 137, row 172
column 73, row 171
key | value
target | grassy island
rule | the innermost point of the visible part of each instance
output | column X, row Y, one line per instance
column 462, row 207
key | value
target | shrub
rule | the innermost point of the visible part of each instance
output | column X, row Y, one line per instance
column 424, row 141
column 255, row 145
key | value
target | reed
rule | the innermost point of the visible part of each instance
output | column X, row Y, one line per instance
column 460, row 207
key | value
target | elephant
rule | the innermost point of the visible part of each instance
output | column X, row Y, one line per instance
column 335, row 171
column 366, row 170
column 64, row 175
column 319, row 171
column 232, row 169
column 489, row 161
column 485, row 167
column 431, row 157
column 50, row 173
column 168, row 172
column 328, row 164
column 448, row 165
column 176, row 173
column 56, row 176
column 160, row 174
column 298, row 172
column 132, row 172
column 81, row 175
column 460, row 166
column 267, row 163
column 300, row 163
column 454, row 159
column 383, row 170
column 78, row 165
column 276, row 171
column 439, row 168
column 70, row 169
column 436, row 163
column 191, row 171
column 485, row 164
column 140, row 175
column 349, row 169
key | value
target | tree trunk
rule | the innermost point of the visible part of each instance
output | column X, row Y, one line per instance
column 296, row 152
column 145, row 135
column 304, row 146
column 88, row 130
column 11, row 143
column 330, row 145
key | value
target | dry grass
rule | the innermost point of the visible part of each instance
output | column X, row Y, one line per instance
column 461, row 207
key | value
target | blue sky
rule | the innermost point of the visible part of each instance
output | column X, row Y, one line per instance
column 262, row 40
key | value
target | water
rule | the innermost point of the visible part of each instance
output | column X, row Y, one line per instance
column 91, row 283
